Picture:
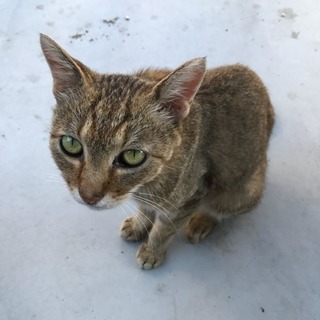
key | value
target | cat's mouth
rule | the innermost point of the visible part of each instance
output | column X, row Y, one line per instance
column 101, row 203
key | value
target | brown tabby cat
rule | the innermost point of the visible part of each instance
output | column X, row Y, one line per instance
column 187, row 145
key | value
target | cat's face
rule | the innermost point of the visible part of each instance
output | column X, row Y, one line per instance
column 112, row 134
column 109, row 139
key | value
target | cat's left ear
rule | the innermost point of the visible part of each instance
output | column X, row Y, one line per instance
column 176, row 91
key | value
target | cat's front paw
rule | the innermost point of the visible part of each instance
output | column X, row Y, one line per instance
column 132, row 230
column 147, row 258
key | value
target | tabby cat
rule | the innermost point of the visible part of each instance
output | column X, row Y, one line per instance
column 188, row 145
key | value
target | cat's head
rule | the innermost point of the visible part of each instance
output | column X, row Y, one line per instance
column 113, row 133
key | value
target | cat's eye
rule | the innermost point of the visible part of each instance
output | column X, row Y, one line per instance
column 71, row 146
column 132, row 158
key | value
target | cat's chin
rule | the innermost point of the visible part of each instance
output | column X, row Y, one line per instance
column 98, row 208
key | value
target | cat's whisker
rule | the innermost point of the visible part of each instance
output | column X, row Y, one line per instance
column 142, row 223
column 53, row 177
column 128, row 205
column 137, row 212
column 162, row 198
column 171, row 167
column 127, row 216
column 56, row 174
column 158, row 208
column 124, row 213
column 154, row 204
column 63, row 191
column 151, row 222
column 54, row 180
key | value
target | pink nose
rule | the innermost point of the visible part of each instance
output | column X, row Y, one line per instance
column 90, row 198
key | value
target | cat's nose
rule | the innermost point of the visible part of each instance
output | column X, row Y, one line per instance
column 90, row 198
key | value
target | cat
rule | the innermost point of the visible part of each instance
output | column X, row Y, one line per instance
column 188, row 145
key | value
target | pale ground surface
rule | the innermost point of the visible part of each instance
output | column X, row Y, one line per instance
column 59, row 260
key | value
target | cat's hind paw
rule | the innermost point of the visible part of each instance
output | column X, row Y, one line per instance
column 147, row 259
column 198, row 227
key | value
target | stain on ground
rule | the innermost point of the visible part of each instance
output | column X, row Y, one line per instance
column 110, row 22
column 79, row 35
column 33, row 78
column 287, row 13
column 161, row 287
column 295, row 34
column 291, row 95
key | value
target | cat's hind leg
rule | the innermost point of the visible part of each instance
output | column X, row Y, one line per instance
column 242, row 198
column 199, row 226
column 220, row 205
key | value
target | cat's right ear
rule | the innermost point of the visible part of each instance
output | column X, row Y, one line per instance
column 67, row 72
column 176, row 91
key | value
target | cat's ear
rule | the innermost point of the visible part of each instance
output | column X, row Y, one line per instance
column 176, row 91
column 67, row 72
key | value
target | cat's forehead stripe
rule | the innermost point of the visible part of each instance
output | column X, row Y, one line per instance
column 108, row 115
column 121, row 87
column 99, row 130
column 84, row 131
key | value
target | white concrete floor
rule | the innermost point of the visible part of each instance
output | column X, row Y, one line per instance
column 59, row 260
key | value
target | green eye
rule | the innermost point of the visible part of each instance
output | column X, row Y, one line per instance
column 132, row 158
column 71, row 146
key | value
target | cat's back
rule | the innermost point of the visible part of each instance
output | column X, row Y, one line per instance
column 224, row 87
column 231, row 96
column 236, row 95
column 232, row 79
column 236, row 119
